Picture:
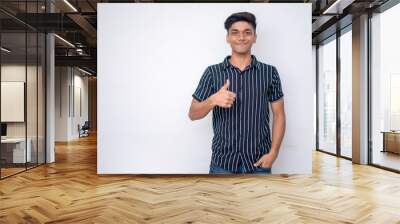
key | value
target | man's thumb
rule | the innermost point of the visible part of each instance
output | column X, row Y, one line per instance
column 226, row 85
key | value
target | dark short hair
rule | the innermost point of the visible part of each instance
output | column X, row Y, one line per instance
column 240, row 16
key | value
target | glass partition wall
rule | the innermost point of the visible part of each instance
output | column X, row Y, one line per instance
column 13, row 89
column 22, row 77
column 334, row 80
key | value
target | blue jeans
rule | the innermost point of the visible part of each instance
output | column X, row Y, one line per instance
column 219, row 170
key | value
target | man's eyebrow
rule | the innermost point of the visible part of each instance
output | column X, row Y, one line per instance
column 248, row 29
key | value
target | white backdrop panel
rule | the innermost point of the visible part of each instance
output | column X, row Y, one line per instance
column 150, row 60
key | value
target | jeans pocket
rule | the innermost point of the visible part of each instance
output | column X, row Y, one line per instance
column 262, row 170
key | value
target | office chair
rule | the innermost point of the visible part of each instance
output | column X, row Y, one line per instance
column 84, row 130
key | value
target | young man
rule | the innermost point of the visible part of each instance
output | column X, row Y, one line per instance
column 239, row 91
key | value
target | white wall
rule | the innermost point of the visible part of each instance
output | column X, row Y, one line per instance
column 61, row 103
column 150, row 59
column 67, row 81
column 80, row 84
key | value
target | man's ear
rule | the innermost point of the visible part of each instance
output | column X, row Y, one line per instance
column 255, row 38
column 226, row 38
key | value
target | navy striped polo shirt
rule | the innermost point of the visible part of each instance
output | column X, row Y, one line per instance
column 241, row 133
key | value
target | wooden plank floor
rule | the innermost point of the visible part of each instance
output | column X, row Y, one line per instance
column 70, row 191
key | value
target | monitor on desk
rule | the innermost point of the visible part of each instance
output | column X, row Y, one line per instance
column 3, row 130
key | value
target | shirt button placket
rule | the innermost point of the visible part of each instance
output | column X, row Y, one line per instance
column 241, row 97
column 240, row 88
column 240, row 92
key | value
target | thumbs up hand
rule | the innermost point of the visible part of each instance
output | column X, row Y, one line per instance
column 224, row 98
column 226, row 85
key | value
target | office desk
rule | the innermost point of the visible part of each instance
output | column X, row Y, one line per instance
column 13, row 150
column 391, row 141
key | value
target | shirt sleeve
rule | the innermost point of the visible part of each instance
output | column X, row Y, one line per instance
column 205, row 87
column 275, row 88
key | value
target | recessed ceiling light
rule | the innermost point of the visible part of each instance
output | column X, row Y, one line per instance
column 84, row 71
column 338, row 6
column 5, row 49
column 64, row 40
column 70, row 5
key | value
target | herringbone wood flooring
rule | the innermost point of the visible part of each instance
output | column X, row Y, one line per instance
column 70, row 191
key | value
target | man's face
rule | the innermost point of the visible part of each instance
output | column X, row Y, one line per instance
column 241, row 37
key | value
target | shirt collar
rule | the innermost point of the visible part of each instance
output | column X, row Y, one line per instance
column 253, row 63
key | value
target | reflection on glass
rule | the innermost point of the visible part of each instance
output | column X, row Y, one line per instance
column 386, row 89
column 31, row 101
column 346, row 94
column 327, row 97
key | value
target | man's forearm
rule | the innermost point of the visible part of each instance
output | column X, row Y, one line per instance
column 201, row 109
column 278, row 131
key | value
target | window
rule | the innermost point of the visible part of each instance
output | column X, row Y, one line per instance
column 346, row 94
column 385, row 88
column 327, row 97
